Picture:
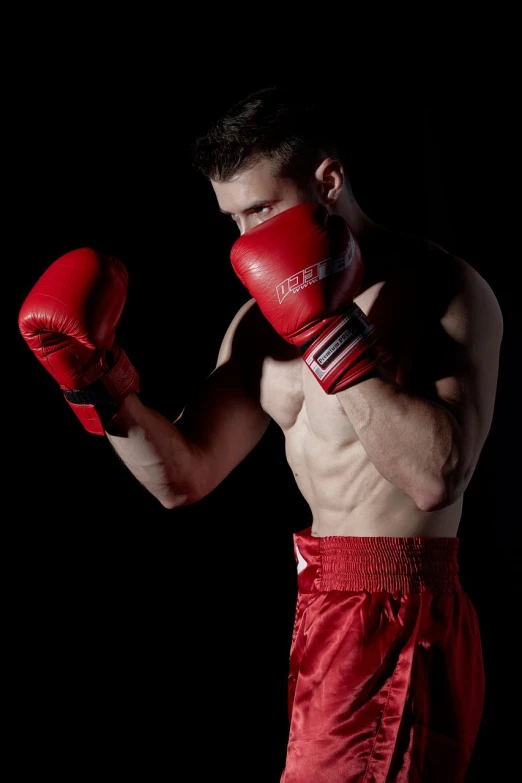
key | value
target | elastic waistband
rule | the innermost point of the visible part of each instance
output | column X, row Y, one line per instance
column 375, row 564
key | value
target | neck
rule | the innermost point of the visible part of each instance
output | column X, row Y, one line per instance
column 360, row 224
column 368, row 234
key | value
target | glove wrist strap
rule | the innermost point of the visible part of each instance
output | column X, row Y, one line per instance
column 99, row 403
column 344, row 343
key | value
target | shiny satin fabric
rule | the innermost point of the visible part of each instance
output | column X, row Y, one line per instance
column 386, row 681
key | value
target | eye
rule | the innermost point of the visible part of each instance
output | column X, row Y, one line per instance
column 262, row 210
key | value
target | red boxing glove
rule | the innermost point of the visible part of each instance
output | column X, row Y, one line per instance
column 69, row 320
column 304, row 268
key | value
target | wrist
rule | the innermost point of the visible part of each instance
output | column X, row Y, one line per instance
column 342, row 351
column 99, row 403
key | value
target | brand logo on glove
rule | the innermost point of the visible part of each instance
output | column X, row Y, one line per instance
column 316, row 272
column 338, row 342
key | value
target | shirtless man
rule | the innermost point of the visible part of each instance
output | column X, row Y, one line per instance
column 386, row 677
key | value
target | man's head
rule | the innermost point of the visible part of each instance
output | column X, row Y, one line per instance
column 272, row 150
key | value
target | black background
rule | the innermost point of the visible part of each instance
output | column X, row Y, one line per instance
column 143, row 639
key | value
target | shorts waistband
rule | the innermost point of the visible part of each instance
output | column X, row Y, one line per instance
column 376, row 563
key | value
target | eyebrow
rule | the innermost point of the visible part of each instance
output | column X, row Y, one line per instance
column 254, row 205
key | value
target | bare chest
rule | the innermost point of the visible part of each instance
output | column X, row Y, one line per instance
column 290, row 393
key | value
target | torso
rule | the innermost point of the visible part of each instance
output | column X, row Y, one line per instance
column 345, row 492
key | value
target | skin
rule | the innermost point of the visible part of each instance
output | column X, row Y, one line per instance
column 393, row 454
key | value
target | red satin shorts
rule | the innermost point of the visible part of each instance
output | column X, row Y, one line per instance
column 386, row 675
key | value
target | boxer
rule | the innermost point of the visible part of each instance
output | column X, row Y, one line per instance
column 376, row 353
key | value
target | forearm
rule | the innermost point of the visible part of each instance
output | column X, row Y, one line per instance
column 414, row 443
column 156, row 453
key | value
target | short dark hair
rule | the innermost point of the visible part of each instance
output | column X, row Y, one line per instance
column 289, row 125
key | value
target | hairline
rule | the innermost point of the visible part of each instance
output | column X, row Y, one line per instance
column 278, row 167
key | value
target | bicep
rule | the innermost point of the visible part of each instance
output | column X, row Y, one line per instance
column 225, row 420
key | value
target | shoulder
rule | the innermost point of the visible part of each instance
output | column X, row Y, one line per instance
column 451, row 290
column 235, row 331
column 460, row 310
column 460, row 349
column 469, row 308
column 248, row 336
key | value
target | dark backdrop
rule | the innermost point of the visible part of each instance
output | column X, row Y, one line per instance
column 144, row 638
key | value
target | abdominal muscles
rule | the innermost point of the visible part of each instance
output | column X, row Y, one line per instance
column 346, row 493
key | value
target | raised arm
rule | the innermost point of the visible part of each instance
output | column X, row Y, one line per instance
column 181, row 462
column 69, row 321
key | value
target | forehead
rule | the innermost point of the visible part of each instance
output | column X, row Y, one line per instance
column 260, row 182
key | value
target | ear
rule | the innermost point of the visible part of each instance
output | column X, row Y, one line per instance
column 329, row 179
